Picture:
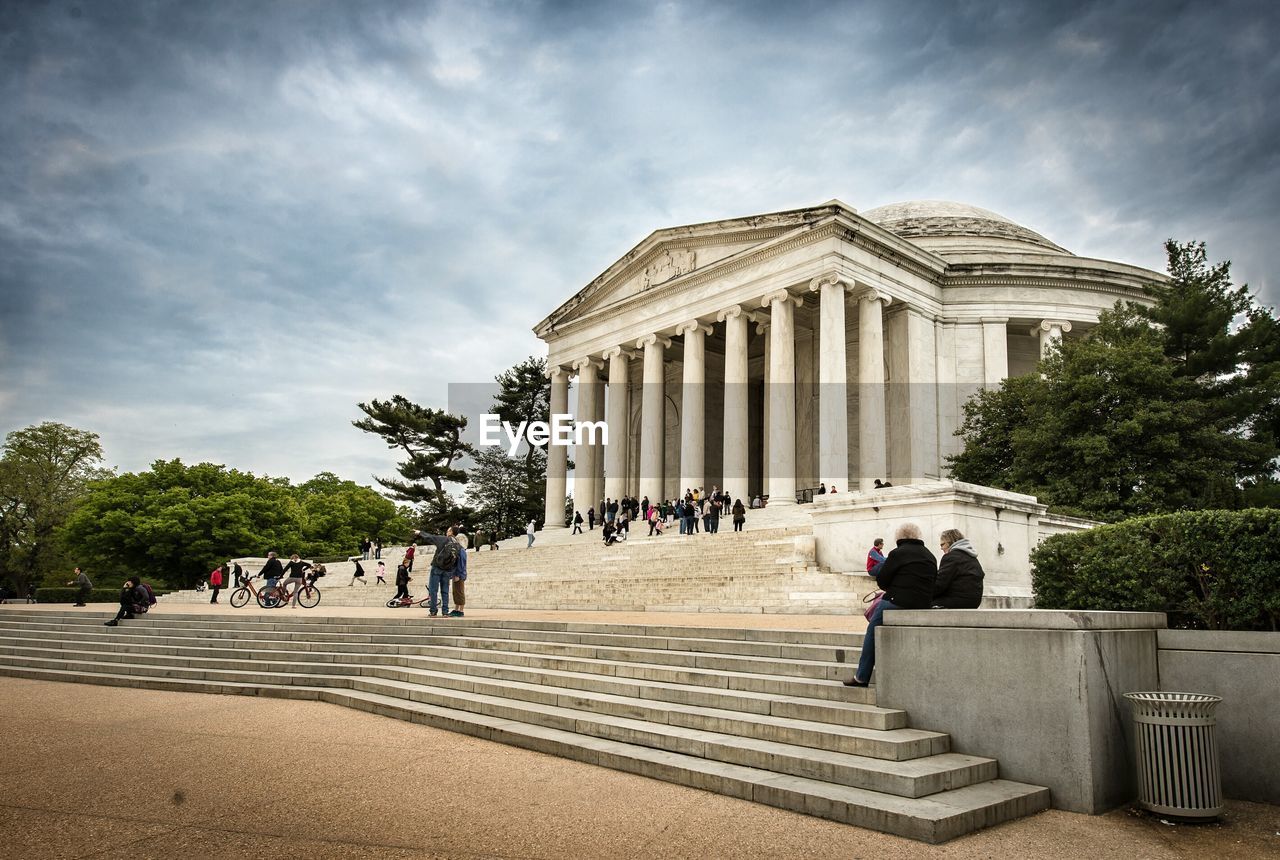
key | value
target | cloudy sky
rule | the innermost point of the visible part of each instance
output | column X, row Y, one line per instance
column 224, row 224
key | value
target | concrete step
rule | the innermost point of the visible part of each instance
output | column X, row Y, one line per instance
column 936, row 818
column 748, row 711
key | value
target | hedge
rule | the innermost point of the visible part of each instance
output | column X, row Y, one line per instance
column 1207, row 569
column 69, row 595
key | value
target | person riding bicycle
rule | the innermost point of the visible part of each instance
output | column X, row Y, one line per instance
column 295, row 573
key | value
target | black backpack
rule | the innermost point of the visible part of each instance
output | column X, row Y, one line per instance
column 447, row 556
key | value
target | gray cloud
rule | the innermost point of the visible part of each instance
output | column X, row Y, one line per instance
column 222, row 225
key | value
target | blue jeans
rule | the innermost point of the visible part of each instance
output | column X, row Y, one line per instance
column 867, row 661
column 438, row 589
column 530, row 543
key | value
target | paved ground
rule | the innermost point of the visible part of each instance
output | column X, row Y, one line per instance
column 110, row 772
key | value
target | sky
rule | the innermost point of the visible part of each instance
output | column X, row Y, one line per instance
column 223, row 225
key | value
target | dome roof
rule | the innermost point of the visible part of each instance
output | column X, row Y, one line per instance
column 962, row 226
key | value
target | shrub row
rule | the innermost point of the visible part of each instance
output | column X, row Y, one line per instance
column 1218, row 570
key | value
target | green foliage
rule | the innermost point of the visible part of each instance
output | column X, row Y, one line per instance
column 430, row 438
column 1207, row 569
column 509, row 491
column 43, row 472
column 61, row 594
column 1139, row 418
column 175, row 523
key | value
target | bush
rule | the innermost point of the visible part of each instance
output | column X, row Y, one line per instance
column 69, row 595
column 1206, row 569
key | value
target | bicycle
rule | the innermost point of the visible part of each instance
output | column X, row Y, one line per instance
column 274, row 596
column 405, row 602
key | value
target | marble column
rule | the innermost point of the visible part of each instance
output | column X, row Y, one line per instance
column 995, row 350
column 652, row 416
column 618, row 410
column 557, row 455
column 762, row 328
column 782, row 396
column 693, row 412
column 586, row 487
column 736, row 416
column 872, row 436
column 833, row 424
column 1049, row 332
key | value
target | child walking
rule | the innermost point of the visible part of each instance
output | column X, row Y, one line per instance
column 382, row 573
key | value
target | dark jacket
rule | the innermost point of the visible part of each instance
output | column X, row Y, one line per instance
column 437, row 541
column 907, row 575
column 273, row 568
column 959, row 582
column 297, row 568
column 402, row 575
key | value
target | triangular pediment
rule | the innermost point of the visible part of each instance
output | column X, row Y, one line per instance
column 667, row 255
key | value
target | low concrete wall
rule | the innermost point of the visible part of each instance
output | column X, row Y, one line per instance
column 1040, row 691
column 1244, row 669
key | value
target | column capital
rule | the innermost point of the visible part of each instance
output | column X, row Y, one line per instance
column 730, row 313
column 691, row 326
column 1049, row 325
column 871, row 294
column 588, row 362
column 780, row 296
column 830, row 279
column 556, row 370
column 651, row 339
column 616, row 351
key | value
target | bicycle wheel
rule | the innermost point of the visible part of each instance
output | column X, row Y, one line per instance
column 309, row 597
column 239, row 597
column 268, row 599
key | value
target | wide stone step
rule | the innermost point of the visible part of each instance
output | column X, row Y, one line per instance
column 935, row 818
column 449, row 671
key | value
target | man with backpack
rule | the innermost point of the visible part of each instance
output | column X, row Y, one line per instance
column 443, row 565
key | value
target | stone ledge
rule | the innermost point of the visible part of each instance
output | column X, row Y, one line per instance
column 1236, row 641
column 1026, row 619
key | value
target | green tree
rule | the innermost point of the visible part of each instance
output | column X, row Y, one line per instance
column 173, row 523
column 509, row 491
column 1108, row 431
column 431, row 439
column 44, row 471
column 338, row 514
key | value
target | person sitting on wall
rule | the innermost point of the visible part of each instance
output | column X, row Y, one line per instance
column 959, row 582
column 906, row 577
column 875, row 556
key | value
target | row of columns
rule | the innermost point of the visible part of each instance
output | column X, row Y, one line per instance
column 779, row 406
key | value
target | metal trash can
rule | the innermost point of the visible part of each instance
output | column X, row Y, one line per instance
column 1177, row 753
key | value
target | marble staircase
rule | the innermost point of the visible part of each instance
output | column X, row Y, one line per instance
column 757, row 714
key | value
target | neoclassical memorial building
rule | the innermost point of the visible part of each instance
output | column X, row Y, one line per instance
column 773, row 353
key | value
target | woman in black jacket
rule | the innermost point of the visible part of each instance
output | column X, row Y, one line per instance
column 959, row 582
column 906, row 577
column 132, row 599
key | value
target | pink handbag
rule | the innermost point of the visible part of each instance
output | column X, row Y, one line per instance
column 875, row 597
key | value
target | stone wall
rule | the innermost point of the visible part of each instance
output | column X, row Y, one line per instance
column 1244, row 669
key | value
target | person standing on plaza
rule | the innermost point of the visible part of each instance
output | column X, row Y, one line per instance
column 409, row 553
column 739, row 515
column 528, row 530
column 443, row 564
column 272, row 570
column 377, row 548
column 906, row 577
column 460, row 577
column 215, row 583
column 84, row 586
column 713, row 517
column 577, row 522
column 295, row 574
column 402, row 581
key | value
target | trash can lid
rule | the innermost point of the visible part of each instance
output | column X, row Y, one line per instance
column 1170, row 704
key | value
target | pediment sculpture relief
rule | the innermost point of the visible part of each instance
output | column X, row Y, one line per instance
column 667, row 265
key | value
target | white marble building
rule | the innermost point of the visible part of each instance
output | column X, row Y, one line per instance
column 769, row 353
